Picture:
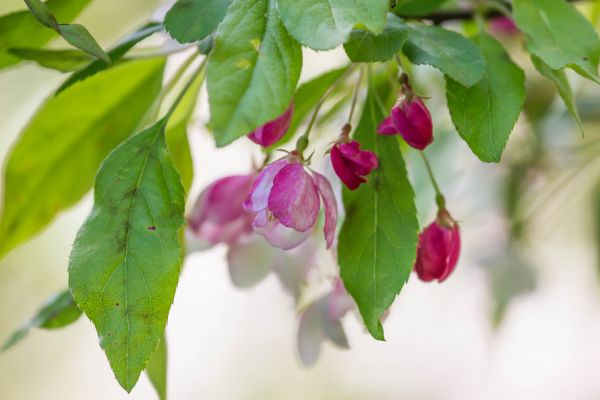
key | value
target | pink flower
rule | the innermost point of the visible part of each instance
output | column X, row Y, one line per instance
column 272, row 131
column 218, row 215
column 321, row 321
column 439, row 248
column 504, row 26
column 285, row 198
column 351, row 164
column 411, row 119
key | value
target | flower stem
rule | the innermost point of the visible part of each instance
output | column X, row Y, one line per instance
column 439, row 197
column 188, row 84
column 355, row 96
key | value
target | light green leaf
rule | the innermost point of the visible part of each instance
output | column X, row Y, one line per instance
column 252, row 71
column 22, row 30
column 54, row 161
column 485, row 114
column 448, row 51
column 378, row 241
column 417, row 7
column 364, row 46
column 325, row 24
column 58, row 311
column 559, row 77
column 156, row 369
column 559, row 35
column 193, row 20
column 61, row 60
column 79, row 37
column 126, row 258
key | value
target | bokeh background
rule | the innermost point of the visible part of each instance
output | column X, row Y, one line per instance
column 519, row 319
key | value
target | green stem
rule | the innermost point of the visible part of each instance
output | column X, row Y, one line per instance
column 170, row 85
column 188, row 84
column 355, row 96
column 439, row 197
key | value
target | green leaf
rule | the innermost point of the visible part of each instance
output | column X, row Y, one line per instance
column 58, row 311
column 54, row 161
column 115, row 54
column 559, row 77
column 60, row 60
column 156, row 369
column 417, row 7
column 364, row 46
column 79, row 37
column 325, row 24
column 126, row 258
column 559, row 35
column 42, row 13
column 252, row 71
column 22, row 30
column 485, row 114
column 378, row 241
column 193, row 20
column 448, row 51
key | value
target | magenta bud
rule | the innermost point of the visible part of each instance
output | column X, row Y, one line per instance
column 438, row 250
column 351, row 164
column 271, row 132
column 504, row 26
column 412, row 121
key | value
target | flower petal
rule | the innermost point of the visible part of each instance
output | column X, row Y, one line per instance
column 344, row 171
column 278, row 235
column 387, row 127
column 258, row 198
column 361, row 161
column 310, row 335
column 250, row 262
column 272, row 131
column 330, row 206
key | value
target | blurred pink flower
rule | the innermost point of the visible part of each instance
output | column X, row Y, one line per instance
column 271, row 132
column 411, row 119
column 351, row 164
column 504, row 26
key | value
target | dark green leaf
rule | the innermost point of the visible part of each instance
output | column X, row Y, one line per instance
column 253, row 70
column 485, row 114
column 61, row 60
column 157, row 369
column 559, row 35
column 448, row 51
column 126, row 258
column 325, row 24
column 58, row 311
column 53, row 163
column 42, row 13
column 115, row 54
column 378, row 241
column 364, row 46
column 79, row 37
column 21, row 30
column 417, row 7
column 559, row 77
column 193, row 20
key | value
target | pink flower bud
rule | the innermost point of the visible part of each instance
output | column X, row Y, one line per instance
column 504, row 26
column 439, row 248
column 412, row 121
column 272, row 131
column 351, row 164
column 286, row 200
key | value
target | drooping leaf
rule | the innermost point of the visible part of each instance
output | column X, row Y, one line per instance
column 115, row 54
column 60, row 60
column 364, row 46
column 417, row 7
column 559, row 77
column 378, row 241
column 485, row 114
column 325, row 24
column 156, row 369
column 58, row 311
column 193, row 20
column 448, row 51
column 559, row 35
column 42, row 13
column 54, row 161
column 252, row 71
column 21, row 29
column 126, row 258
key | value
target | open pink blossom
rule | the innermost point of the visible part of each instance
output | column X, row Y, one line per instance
column 272, row 131
column 439, row 248
column 411, row 119
column 218, row 216
column 351, row 164
column 286, row 199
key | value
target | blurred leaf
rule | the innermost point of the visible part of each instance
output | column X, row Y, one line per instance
column 60, row 60
column 559, row 35
column 325, row 24
column 559, row 77
column 79, row 37
column 417, row 7
column 126, row 258
column 485, row 114
column 193, row 20
column 156, row 369
column 54, row 161
column 58, row 311
column 364, row 46
column 596, row 219
column 115, row 54
column 448, row 51
column 252, row 71
column 21, row 30
column 378, row 241
column 42, row 13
